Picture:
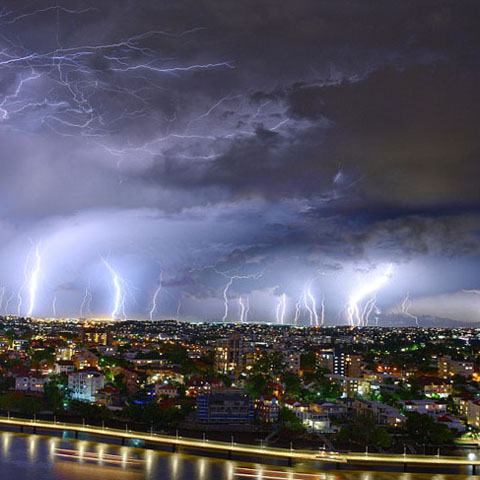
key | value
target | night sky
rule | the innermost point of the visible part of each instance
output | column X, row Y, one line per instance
column 310, row 161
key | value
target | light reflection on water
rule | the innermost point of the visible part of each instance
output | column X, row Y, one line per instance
column 33, row 457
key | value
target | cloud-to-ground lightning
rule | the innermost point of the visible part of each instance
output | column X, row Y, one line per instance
column 247, row 310
column 85, row 305
column 7, row 303
column 357, row 314
column 310, row 304
column 405, row 308
column 296, row 318
column 33, row 280
column 31, row 271
column 54, row 306
column 120, row 292
column 281, row 308
column 241, row 310
column 231, row 278
column 313, row 303
column 153, row 307
column 225, row 298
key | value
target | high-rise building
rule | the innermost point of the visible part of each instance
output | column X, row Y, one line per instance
column 231, row 354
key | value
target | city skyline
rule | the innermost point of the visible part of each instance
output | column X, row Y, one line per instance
column 310, row 164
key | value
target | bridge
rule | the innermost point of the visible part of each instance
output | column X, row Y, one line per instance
column 230, row 449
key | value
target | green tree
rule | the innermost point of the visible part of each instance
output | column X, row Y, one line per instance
column 293, row 385
column 55, row 392
column 424, row 430
column 290, row 420
column 257, row 385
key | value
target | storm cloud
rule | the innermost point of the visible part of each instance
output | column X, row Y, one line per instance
column 279, row 145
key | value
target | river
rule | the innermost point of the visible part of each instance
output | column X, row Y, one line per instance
column 36, row 457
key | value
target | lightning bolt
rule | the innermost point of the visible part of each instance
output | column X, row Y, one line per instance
column 119, row 288
column 322, row 312
column 231, row 278
column 241, row 308
column 281, row 308
column 225, row 299
column 405, row 308
column 2, row 294
column 87, row 298
column 7, row 303
column 31, row 271
column 155, row 295
column 358, row 315
column 247, row 310
column 297, row 312
column 313, row 304
column 54, row 306
column 310, row 304
column 179, row 305
column 33, row 280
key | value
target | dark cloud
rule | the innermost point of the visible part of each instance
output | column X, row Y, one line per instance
column 311, row 141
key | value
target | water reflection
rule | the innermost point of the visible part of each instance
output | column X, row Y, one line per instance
column 32, row 448
column 32, row 457
column 6, row 442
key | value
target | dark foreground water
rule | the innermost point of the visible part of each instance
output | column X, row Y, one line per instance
column 25, row 457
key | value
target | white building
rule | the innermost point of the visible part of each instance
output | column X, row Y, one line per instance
column 428, row 407
column 85, row 384
column 162, row 390
column 32, row 383
column 64, row 366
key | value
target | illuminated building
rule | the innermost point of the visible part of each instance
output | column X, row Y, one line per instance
column 228, row 406
column 31, row 383
column 448, row 368
column 85, row 384
column 230, row 354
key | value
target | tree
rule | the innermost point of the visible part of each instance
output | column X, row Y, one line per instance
column 55, row 392
column 308, row 361
column 364, row 431
column 19, row 402
column 292, row 385
column 257, row 385
column 270, row 363
column 424, row 430
column 383, row 438
column 290, row 420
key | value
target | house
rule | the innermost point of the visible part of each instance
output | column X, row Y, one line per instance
column 199, row 385
column 108, row 397
column 429, row 407
column 268, row 409
column 435, row 387
column 130, row 377
column 83, row 359
column 30, row 383
column 311, row 418
column 384, row 414
column 64, row 366
column 162, row 390
column 451, row 422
